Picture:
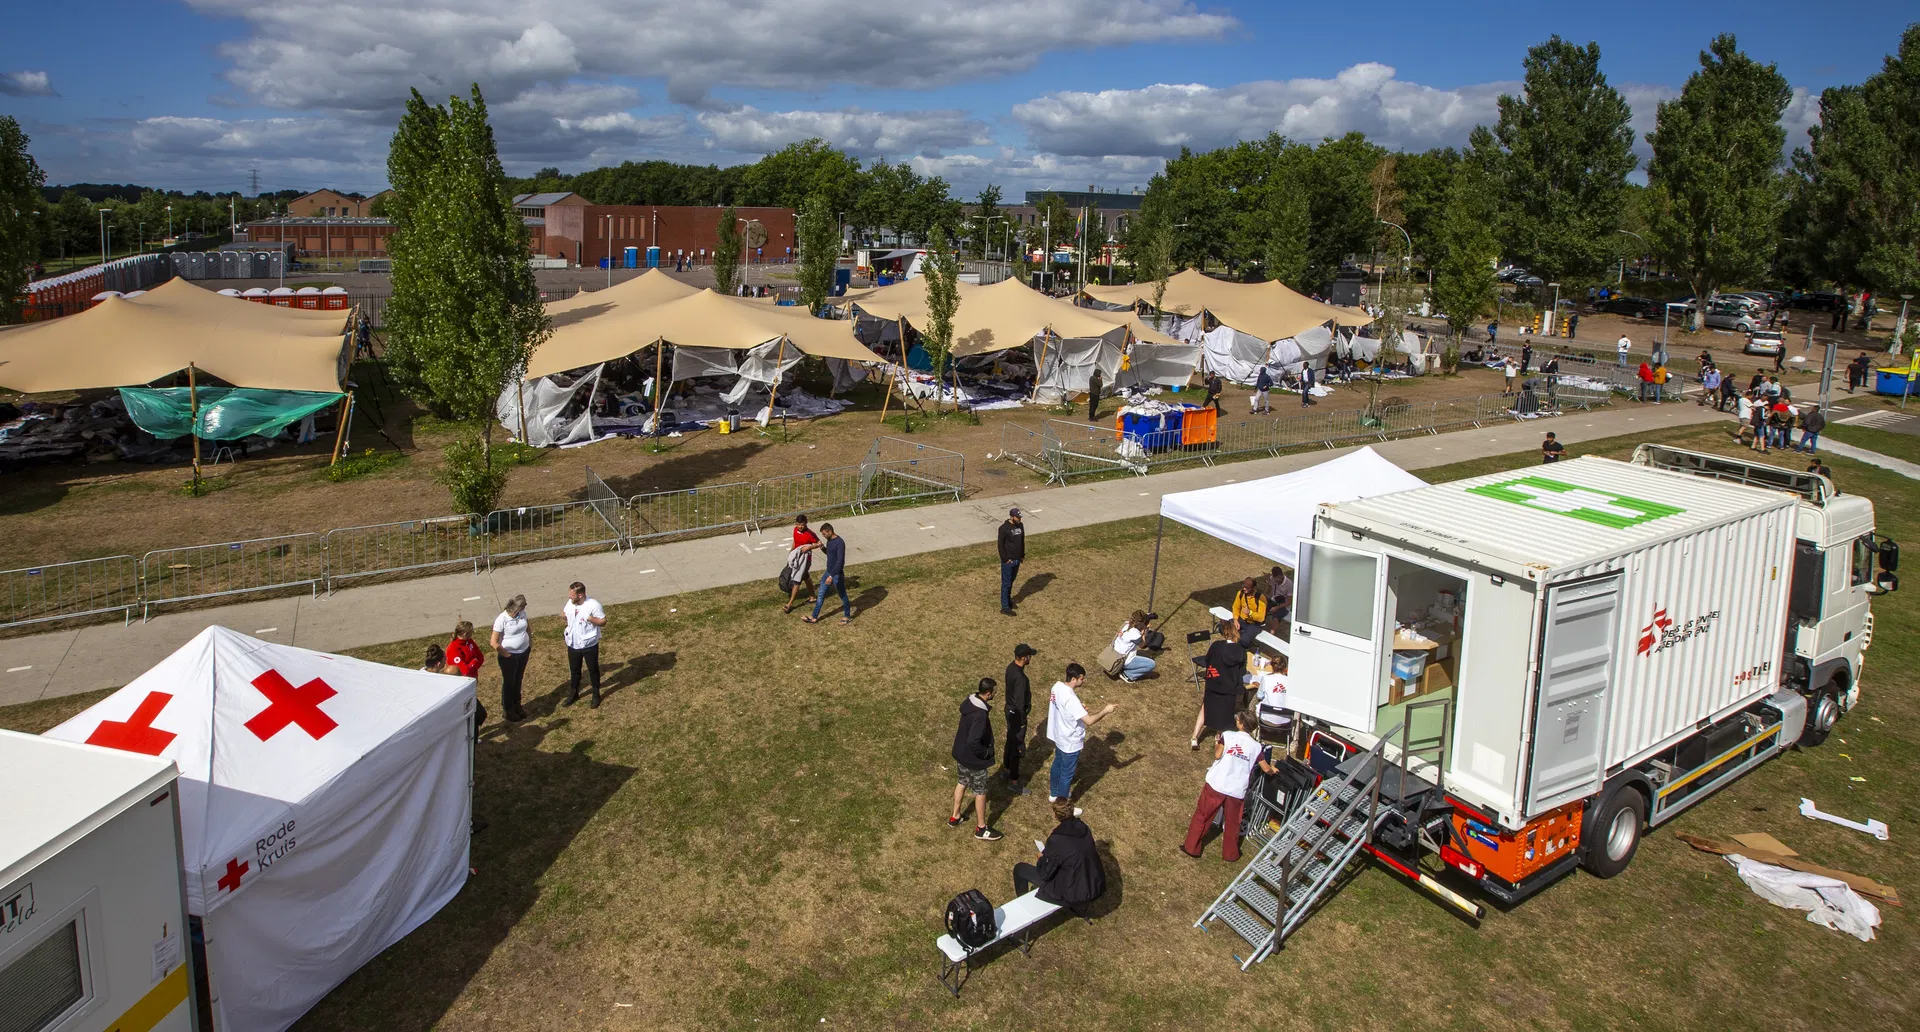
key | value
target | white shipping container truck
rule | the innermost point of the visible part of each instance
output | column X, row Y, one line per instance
column 93, row 912
column 1521, row 672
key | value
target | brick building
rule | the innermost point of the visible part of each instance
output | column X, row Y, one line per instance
column 331, row 204
column 347, row 237
column 586, row 233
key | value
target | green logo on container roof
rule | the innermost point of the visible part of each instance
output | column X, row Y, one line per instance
column 1581, row 503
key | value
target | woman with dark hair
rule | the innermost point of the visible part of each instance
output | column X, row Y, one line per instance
column 436, row 661
column 1126, row 646
column 1226, row 681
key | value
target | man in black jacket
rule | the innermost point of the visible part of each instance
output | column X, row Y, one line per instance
column 1019, row 704
column 1013, row 549
column 1094, row 387
column 1069, row 873
column 973, row 751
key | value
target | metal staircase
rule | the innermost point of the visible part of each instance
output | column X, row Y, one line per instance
column 1302, row 862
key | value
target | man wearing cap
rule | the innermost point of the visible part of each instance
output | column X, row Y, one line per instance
column 1019, row 704
column 1013, row 549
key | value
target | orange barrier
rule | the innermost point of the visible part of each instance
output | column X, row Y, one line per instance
column 1200, row 426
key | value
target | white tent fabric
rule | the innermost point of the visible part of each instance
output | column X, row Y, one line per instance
column 761, row 366
column 324, row 807
column 1070, row 364
column 545, row 400
column 1234, row 355
column 1165, row 365
column 689, row 362
column 1268, row 517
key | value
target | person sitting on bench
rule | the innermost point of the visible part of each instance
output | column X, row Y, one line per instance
column 1069, row 873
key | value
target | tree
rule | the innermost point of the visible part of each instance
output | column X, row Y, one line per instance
column 465, row 313
column 942, row 270
column 1289, row 228
column 1859, row 183
column 1714, row 182
column 1561, row 152
column 984, row 216
column 787, row 177
column 819, row 252
column 1425, row 180
column 726, row 252
column 1340, row 204
column 1464, row 248
column 20, row 183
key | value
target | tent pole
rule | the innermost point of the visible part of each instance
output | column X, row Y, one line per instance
column 659, row 362
column 773, row 392
column 1153, row 585
column 1040, row 367
column 193, row 422
column 887, row 398
column 340, row 435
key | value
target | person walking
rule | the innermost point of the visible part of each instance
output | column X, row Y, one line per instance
column 835, row 577
column 513, row 643
column 1067, row 724
column 1512, row 371
column 1262, row 383
column 1019, row 703
column 1068, row 871
column 1526, row 358
column 1214, row 389
column 1094, row 387
column 1226, row 680
column 973, row 753
column 584, row 618
column 1621, row 347
column 1225, row 787
column 1306, row 386
column 1013, row 551
column 1551, row 450
column 1493, row 332
column 800, row 561
column 1573, row 325
column 1812, row 421
column 1709, row 386
column 1759, row 421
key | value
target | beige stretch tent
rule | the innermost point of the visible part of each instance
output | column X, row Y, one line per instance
column 129, row 341
column 1271, row 310
column 1003, row 315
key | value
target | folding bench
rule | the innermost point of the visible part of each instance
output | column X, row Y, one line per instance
column 1017, row 918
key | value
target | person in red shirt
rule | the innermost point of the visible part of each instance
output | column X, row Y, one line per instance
column 803, row 538
column 463, row 656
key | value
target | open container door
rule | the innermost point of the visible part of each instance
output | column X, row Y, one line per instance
column 1570, row 705
column 1339, row 634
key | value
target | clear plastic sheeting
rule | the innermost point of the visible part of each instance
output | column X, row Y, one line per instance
column 1829, row 902
column 690, row 363
column 548, row 402
column 762, row 366
column 225, row 413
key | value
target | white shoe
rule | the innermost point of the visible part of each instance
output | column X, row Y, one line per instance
column 1077, row 811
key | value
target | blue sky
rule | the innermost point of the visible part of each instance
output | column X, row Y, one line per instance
column 1025, row 93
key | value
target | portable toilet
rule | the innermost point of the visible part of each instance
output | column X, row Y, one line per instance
column 281, row 296
column 307, row 297
column 93, row 912
column 335, row 299
column 229, row 292
column 653, row 257
column 103, row 295
column 633, row 258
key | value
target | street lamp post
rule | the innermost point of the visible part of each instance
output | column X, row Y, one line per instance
column 169, row 222
column 609, row 219
column 1553, row 314
column 104, row 212
column 1900, row 326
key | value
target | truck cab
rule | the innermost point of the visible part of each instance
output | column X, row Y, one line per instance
column 1839, row 564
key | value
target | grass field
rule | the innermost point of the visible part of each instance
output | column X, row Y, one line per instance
column 749, row 834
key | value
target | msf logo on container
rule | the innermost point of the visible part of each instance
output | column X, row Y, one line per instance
column 1664, row 632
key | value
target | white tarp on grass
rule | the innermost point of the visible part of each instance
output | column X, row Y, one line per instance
column 1269, row 517
column 324, row 807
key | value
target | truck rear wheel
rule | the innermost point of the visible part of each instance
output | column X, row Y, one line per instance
column 1823, row 714
column 1615, row 833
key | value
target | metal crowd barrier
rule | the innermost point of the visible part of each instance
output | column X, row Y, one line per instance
column 85, row 587
column 232, row 568
column 402, row 547
column 821, row 491
column 896, row 470
column 1024, row 447
column 697, row 510
column 539, row 529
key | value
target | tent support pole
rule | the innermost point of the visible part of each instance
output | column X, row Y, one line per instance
column 340, row 434
column 659, row 362
column 773, row 391
column 887, row 398
column 193, row 423
column 1153, row 585
column 520, row 396
column 1040, row 368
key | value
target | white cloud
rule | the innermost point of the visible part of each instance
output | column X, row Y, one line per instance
column 348, row 55
column 1803, row 112
column 26, row 84
column 862, row 133
column 1158, row 120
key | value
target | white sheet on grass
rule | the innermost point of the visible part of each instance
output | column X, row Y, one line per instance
column 1268, row 517
column 1829, row 902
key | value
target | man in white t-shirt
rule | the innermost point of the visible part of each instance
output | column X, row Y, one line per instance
column 1234, row 755
column 1622, row 347
column 1067, row 723
column 584, row 620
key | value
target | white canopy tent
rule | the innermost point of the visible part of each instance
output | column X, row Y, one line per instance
column 1268, row 517
column 324, row 807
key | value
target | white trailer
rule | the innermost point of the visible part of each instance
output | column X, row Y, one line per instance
column 93, row 914
column 1522, row 672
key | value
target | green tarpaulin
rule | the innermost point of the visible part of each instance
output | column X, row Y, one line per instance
column 226, row 413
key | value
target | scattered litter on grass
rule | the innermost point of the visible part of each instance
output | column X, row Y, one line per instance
column 1877, row 829
column 1829, row 902
column 1859, row 779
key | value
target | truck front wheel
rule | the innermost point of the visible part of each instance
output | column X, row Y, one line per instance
column 1615, row 833
column 1823, row 713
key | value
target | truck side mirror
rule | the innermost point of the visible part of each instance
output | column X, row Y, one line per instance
column 1889, row 550
column 1888, row 583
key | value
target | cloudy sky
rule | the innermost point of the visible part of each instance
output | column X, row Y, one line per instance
column 192, row 94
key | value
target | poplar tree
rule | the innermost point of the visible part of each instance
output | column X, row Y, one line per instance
column 20, row 183
column 726, row 252
column 942, row 270
column 1714, row 186
column 1465, row 248
column 465, row 312
column 819, row 251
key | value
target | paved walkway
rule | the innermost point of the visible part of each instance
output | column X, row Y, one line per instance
column 108, row 655
column 1910, row 470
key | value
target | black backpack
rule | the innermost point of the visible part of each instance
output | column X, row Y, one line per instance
column 1153, row 641
column 785, row 580
column 970, row 919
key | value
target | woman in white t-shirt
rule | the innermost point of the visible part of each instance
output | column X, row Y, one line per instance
column 515, row 645
column 1235, row 753
column 1133, row 665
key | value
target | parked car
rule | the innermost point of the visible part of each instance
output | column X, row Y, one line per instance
column 1745, row 301
column 1511, row 273
column 1638, row 307
column 1722, row 315
column 1818, row 301
column 1528, row 279
column 1765, row 342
